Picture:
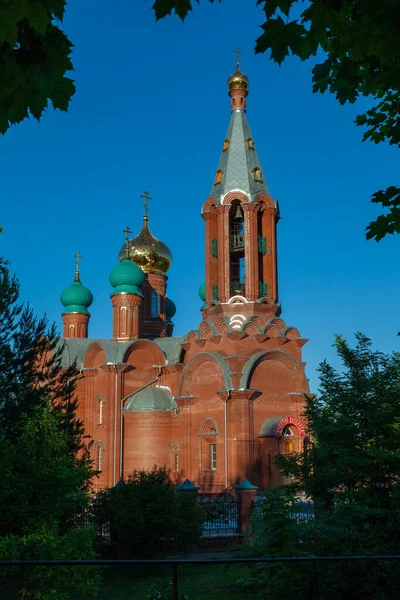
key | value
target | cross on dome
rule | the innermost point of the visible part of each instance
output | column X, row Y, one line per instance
column 238, row 52
column 77, row 257
column 146, row 198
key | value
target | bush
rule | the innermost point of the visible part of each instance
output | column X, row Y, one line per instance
column 147, row 514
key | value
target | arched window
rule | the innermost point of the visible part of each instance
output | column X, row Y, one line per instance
column 175, row 449
column 99, row 402
column 287, row 433
column 208, row 445
column 98, row 456
column 155, row 304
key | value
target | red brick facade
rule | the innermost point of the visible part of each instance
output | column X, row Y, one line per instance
column 217, row 404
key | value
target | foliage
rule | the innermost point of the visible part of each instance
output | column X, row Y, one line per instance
column 44, row 463
column 146, row 512
column 165, row 594
column 45, row 583
column 350, row 470
column 34, row 58
column 359, row 43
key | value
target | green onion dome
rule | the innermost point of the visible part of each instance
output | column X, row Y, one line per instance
column 170, row 308
column 202, row 291
column 126, row 278
column 76, row 298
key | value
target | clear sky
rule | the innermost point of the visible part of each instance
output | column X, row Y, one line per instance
column 151, row 111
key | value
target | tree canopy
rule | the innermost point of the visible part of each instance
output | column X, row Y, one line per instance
column 358, row 40
column 44, row 460
column 349, row 468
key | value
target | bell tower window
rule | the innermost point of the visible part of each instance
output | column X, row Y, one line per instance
column 155, row 304
column 226, row 145
column 237, row 250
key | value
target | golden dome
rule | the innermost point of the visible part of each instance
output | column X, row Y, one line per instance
column 238, row 81
column 147, row 251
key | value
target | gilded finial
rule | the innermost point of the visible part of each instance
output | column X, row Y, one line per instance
column 238, row 52
column 126, row 231
column 77, row 257
column 146, row 198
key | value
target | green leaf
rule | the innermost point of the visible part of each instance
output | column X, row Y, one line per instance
column 162, row 8
column 57, row 7
column 390, row 222
column 279, row 37
column 271, row 6
column 63, row 93
column 38, row 15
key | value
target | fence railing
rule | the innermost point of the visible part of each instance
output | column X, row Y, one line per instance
column 176, row 563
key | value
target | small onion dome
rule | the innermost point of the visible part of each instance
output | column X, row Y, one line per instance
column 76, row 298
column 126, row 277
column 238, row 81
column 202, row 291
column 170, row 308
column 146, row 251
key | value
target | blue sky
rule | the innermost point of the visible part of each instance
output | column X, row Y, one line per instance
column 151, row 111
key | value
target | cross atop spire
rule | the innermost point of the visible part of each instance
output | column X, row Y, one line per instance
column 146, row 198
column 238, row 52
column 77, row 257
column 127, row 231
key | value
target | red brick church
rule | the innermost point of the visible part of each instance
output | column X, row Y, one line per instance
column 217, row 404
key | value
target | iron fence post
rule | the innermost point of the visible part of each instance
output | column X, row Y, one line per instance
column 174, row 581
column 315, row 579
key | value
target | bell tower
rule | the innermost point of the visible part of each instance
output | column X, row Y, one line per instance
column 240, row 221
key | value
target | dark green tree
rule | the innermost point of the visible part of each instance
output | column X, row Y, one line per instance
column 349, row 467
column 355, row 426
column 44, row 461
column 148, row 515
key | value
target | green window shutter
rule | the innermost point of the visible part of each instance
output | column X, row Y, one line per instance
column 262, row 289
column 215, row 292
column 214, row 247
column 262, row 244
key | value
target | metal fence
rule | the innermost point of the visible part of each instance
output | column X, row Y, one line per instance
column 175, row 564
column 299, row 511
column 221, row 514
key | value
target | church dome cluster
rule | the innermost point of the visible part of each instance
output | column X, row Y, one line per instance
column 139, row 299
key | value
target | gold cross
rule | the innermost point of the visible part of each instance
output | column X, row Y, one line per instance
column 77, row 257
column 126, row 231
column 238, row 53
column 146, row 198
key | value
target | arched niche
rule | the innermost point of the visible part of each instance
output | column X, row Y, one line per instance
column 95, row 356
column 274, row 371
column 205, row 367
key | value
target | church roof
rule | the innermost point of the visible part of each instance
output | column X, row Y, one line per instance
column 76, row 348
column 157, row 397
column 239, row 161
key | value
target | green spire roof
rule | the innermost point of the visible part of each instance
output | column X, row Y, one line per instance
column 76, row 298
column 126, row 277
column 239, row 161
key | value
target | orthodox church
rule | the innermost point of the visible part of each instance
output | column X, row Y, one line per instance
column 217, row 404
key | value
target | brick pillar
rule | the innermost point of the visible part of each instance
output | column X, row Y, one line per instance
column 240, row 433
column 76, row 325
column 125, row 316
column 246, row 493
column 250, row 211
